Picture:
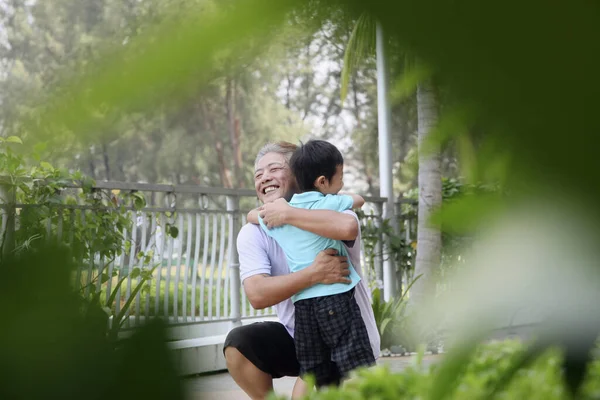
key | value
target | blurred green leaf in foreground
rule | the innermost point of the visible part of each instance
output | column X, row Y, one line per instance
column 53, row 343
column 526, row 71
column 499, row 60
column 172, row 59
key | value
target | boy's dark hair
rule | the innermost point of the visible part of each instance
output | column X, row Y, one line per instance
column 313, row 159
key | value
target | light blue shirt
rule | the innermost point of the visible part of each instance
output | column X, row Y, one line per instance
column 301, row 247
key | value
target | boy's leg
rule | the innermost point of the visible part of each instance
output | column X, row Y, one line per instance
column 257, row 353
column 344, row 331
column 300, row 388
column 313, row 354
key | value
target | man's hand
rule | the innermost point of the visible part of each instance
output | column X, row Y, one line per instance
column 265, row 291
column 329, row 268
column 274, row 214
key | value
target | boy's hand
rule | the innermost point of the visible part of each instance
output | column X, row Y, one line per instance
column 358, row 200
column 274, row 214
column 252, row 217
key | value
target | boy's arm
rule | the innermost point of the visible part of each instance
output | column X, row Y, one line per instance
column 357, row 200
column 327, row 223
column 330, row 224
column 339, row 202
column 252, row 217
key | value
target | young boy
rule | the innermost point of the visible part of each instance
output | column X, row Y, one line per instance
column 330, row 334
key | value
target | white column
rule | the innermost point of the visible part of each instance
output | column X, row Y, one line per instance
column 385, row 159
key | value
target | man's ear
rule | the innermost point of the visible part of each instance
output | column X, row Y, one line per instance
column 320, row 182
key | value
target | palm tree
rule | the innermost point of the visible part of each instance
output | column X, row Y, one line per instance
column 429, row 238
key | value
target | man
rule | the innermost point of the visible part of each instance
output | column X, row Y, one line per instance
column 258, row 353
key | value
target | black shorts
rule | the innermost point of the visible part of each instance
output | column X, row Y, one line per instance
column 268, row 345
column 331, row 337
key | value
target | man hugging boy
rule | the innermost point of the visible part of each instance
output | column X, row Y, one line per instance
column 330, row 334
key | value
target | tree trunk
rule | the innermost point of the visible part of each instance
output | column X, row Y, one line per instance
column 429, row 238
column 92, row 165
column 210, row 127
column 122, row 174
column 234, row 132
column 223, row 170
column 106, row 161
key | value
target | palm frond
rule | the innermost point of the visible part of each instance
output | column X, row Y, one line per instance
column 360, row 44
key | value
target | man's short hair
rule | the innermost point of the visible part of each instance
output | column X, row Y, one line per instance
column 313, row 159
column 284, row 148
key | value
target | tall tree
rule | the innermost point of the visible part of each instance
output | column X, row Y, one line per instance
column 429, row 244
column 232, row 114
column 429, row 236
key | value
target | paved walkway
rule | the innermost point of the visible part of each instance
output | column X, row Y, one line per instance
column 220, row 386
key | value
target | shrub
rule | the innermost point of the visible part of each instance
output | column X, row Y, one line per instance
column 542, row 380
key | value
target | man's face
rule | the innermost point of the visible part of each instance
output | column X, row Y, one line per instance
column 273, row 178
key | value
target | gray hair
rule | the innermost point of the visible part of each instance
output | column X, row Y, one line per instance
column 284, row 148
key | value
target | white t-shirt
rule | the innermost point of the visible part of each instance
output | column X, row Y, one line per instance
column 260, row 254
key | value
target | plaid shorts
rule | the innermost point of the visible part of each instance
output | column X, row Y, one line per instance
column 331, row 337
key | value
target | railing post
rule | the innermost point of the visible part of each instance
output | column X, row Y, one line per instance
column 378, row 253
column 8, row 200
column 233, row 208
column 388, row 266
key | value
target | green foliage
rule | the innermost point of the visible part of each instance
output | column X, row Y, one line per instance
column 479, row 378
column 456, row 193
column 46, row 214
column 386, row 315
column 56, row 341
column 509, row 79
column 403, row 252
column 391, row 319
column 406, row 84
column 174, row 142
column 396, row 326
column 491, row 82
column 373, row 231
column 144, row 276
column 360, row 45
column 41, row 190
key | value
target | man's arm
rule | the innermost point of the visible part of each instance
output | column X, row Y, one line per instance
column 330, row 224
column 265, row 291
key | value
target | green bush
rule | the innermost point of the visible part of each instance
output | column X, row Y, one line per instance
column 50, row 209
column 55, row 343
column 483, row 374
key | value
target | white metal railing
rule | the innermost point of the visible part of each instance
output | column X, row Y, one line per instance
column 196, row 279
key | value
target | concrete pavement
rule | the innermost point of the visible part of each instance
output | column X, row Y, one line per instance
column 220, row 386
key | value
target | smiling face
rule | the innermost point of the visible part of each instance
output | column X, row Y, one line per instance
column 273, row 178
